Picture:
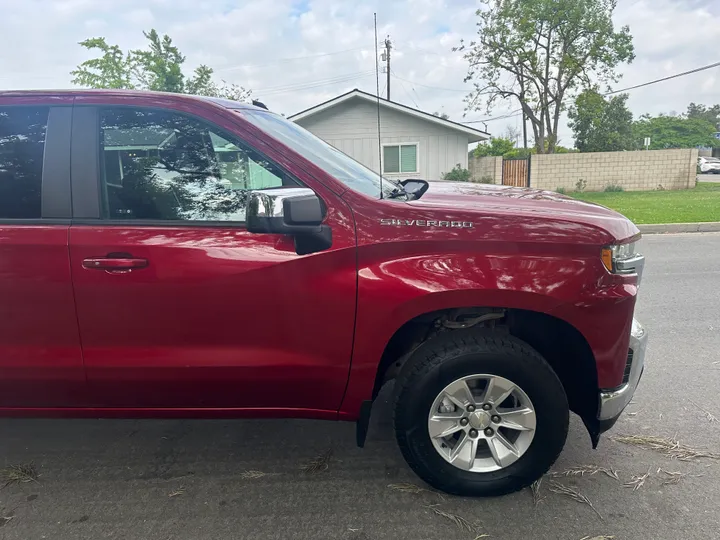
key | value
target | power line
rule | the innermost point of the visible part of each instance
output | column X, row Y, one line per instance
column 434, row 87
column 284, row 60
column 319, row 85
column 407, row 93
column 512, row 114
column 696, row 70
column 312, row 87
column 690, row 72
column 314, row 83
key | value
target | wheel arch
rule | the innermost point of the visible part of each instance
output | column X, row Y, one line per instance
column 561, row 344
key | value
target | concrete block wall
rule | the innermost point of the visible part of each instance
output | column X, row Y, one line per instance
column 481, row 167
column 634, row 171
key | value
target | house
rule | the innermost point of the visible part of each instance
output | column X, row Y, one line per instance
column 415, row 144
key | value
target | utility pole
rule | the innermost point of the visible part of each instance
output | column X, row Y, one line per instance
column 522, row 96
column 388, row 46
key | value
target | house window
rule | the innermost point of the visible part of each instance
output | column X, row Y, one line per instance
column 400, row 158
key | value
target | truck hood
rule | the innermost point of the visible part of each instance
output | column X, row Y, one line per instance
column 524, row 202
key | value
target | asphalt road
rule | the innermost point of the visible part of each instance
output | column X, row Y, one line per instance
column 183, row 479
column 708, row 177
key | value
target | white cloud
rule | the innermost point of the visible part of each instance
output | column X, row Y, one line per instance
column 249, row 42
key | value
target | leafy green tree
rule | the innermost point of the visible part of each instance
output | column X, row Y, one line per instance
column 498, row 146
column 517, row 153
column 601, row 125
column 709, row 114
column 541, row 53
column 110, row 70
column 674, row 132
column 158, row 67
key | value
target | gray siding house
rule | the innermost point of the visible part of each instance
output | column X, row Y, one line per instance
column 415, row 144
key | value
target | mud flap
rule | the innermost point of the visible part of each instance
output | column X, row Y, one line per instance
column 363, row 423
column 593, row 427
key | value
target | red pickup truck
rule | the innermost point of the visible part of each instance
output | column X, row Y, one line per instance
column 174, row 256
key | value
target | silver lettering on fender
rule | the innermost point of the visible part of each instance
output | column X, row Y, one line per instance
column 427, row 223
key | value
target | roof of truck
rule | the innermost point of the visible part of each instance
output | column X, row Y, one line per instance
column 227, row 103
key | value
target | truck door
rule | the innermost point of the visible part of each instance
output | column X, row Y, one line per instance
column 178, row 304
column 40, row 357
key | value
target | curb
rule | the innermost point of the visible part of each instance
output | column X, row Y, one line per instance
column 666, row 228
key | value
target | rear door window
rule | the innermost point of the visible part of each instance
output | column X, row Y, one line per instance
column 22, row 147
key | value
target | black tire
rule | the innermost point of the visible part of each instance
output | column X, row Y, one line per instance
column 460, row 353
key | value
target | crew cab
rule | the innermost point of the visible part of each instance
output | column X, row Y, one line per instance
column 167, row 255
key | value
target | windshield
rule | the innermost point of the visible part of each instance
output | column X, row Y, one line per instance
column 348, row 171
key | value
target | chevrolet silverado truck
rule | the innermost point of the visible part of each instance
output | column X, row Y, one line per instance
column 175, row 256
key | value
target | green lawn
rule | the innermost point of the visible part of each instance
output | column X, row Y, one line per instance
column 682, row 206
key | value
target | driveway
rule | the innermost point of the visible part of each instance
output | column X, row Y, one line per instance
column 199, row 480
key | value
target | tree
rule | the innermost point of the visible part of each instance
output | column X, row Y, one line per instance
column 540, row 53
column 498, row 146
column 601, row 125
column 674, row 132
column 159, row 67
column 709, row 114
column 111, row 70
column 512, row 133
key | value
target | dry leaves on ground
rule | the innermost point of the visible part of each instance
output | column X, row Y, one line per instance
column 251, row 475
column 569, row 492
column 179, row 491
column 710, row 417
column 318, row 464
column 412, row 488
column 637, row 481
column 671, row 477
column 18, row 474
column 459, row 521
column 582, row 470
column 672, row 448
column 535, row 490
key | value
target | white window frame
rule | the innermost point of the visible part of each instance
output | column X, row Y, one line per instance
column 399, row 144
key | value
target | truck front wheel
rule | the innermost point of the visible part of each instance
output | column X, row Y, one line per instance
column 479, row 413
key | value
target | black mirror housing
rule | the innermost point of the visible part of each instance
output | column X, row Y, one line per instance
column 294, row 211
column 414, row 187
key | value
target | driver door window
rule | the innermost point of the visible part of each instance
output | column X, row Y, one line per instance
column 162, row 165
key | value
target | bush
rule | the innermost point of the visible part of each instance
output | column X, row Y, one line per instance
column 458, row 174
column 613, row 188
column 580, row 185
column 561, row 190
column 518, row 153
column 487, row 179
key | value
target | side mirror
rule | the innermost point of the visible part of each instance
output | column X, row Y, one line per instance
column 414, row 187
column 293, row 211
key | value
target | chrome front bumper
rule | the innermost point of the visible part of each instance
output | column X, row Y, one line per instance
column 612, row 402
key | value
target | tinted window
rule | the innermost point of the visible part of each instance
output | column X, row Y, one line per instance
column 22, row 144
column 162, row 165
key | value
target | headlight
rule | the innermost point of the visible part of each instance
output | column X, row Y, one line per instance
column 623, row 259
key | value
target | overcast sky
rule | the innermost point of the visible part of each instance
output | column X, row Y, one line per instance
column 296, row 53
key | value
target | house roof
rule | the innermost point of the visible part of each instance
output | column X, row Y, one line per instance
column 474, row 134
